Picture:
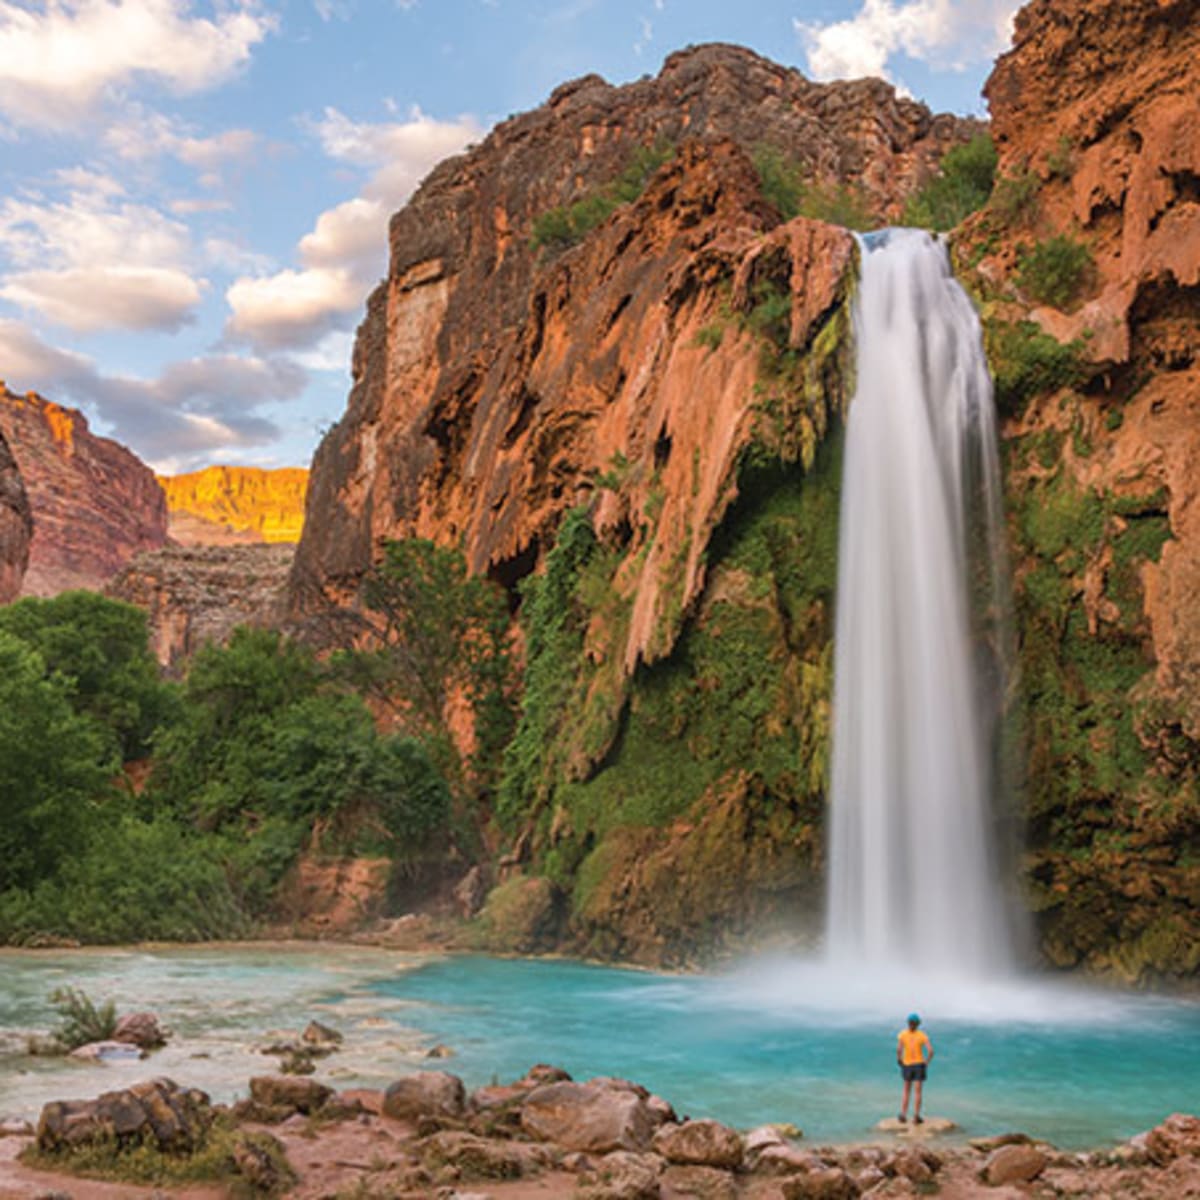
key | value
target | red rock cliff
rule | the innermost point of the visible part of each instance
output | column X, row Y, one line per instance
column 493, row 383
column 16, row 525
column 226, row 505
column 1096, row 116
column 94, row 503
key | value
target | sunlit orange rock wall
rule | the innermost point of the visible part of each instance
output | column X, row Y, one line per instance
column 94, row 503
column 226, row 505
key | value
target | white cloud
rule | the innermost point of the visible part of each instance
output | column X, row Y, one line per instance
column 59, row 60
column 194, row 409
column 332, row 353
column 87, row 299
column 93, row 260
column 333, row 10
column 143, row 134
column 946, row 34
column 345, row 252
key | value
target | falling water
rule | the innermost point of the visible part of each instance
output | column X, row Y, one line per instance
column 917, row 667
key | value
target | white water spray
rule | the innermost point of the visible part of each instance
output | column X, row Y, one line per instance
column 921, row 584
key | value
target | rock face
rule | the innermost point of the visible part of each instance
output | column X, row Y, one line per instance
column 222, row 506
column 494, row 382
column 16, row 525
column 94, row 503
column 1095, row 119
column 198, row 594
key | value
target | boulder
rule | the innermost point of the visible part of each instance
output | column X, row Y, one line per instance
column 1177, row 1137
column 987, row 1144
column 290, row 1093
column 782, row 1159
column 705, row 1183
column 425, row 1094
column 261, row 1161
column 592, row 1117
column 480, row 1157
column 930, row 1127
column 158, row 1112
column 622, row 1175
column 541, row 1073
column 320, row 1035
column 823, row 1183
column 141, row 1029
column 1014, row 1164
column 109, row 1051
column 915, row 1165
column 702, row 1143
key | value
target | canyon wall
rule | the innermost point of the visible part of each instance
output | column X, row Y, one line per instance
column 222, row 506
column 16, row 525
column 1093, row 240
column 94, row 503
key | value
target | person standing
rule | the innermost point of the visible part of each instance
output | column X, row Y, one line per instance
column 914, row 1053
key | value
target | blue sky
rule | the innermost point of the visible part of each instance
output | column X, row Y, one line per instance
column 194, row 193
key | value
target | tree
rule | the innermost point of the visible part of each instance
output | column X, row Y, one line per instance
column 100, row 649
column 440, row 634
column 54, row 765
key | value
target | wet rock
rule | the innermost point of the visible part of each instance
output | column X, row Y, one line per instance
column 705, row 1183
column 439, row 1051
column 321, row 1035
column 295, row 1095
column 141, row 1029
column 702, row 1143
column 110, row 1051
column 987, row 1144
column 1177, row 1137
column 15, row 1128
column 593, row 1117
column 541, row 1073
column 823, row 1183
column 930, row 1127
column 622, row 1175
column 1014, row 1164
column 158, row 1111
column 425, row 1093
column 299, row 1062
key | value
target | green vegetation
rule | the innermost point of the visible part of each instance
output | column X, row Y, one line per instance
column 263, row 753
column 1014, row 196
column 1028, row 362
column 967, row 176
column 81, row 1021
column 793, row 193
column 560, row 228
column 1054, row 271
column 1060, row 162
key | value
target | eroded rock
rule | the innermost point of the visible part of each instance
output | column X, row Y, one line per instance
column 425, row 1094
column 290, row 1093
column 590, row 1117
column 1014, row 1164
column 704, row 1143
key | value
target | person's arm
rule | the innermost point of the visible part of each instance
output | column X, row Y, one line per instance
column 899, row 1051
column 929, row 1047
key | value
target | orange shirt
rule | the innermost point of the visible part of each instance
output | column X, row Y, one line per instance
column 912, row 1044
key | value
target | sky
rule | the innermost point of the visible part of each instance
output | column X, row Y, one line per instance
column 194, row 194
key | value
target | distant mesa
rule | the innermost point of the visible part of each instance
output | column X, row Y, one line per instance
column 228, row 506
column 94, row 504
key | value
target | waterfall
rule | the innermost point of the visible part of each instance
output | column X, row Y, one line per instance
column 918, row 651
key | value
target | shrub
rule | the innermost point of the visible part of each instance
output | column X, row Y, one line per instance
column 1054, row 270
column 1028, row 362
column 968, row 174
column 81, row 1021
column 568, row 224
column 1013, row 196
column 792, row 193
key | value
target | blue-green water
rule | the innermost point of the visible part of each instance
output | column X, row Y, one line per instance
column 778, row 1041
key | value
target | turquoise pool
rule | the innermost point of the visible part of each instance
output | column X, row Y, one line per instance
column 772, row 1041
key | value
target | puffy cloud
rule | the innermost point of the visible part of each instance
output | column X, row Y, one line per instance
column 344, row 253
column 86, row 299
column 57, row 61
column 145, row 134
column 94, row 260
column 192, row 410
column 946, row 34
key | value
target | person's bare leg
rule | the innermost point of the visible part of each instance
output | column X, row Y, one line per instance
column 916, row 1102
column 904, row 1102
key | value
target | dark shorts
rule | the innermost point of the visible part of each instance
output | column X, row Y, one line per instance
column 914, row 1073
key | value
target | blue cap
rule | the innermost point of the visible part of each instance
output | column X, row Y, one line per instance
column 914, row 1019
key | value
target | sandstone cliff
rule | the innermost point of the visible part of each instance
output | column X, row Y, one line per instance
column 1093, row 235
column 198, row 594
column 494, row 381
column 220, row 506
column 94, row 503
column 636, row 410
column 16, row 525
